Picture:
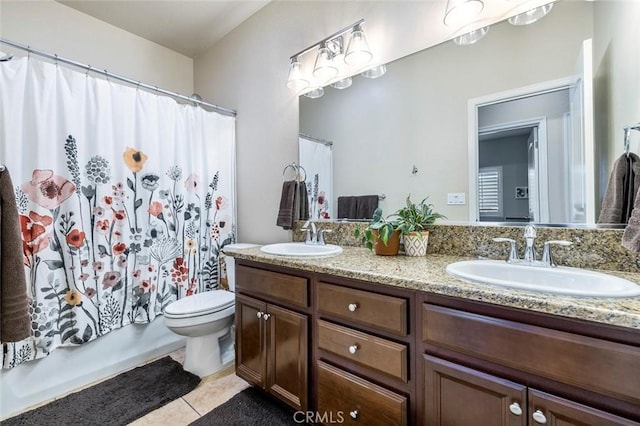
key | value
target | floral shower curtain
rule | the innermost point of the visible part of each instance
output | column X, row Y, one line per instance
column 125, row 199
column 316, row 157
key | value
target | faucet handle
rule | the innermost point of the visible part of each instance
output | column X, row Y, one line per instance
column 529, row 231
column 546, row 253
column 308, row 237
column 321, row 233
column 513, row 253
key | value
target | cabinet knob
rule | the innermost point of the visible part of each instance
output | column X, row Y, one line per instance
column 353, row 414
column 515, row 409
column 259, row 314
column 539, row 417
column 353, row 349
column 352, row 307
column 266, row 316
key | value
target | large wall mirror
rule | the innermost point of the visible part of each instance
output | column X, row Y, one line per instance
column 410, row 132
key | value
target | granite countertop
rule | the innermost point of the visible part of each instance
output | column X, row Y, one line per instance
column 428, row 274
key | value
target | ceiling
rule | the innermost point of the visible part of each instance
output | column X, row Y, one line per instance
column 189, row 27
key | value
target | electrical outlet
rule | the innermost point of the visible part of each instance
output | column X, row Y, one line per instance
column 456, row 198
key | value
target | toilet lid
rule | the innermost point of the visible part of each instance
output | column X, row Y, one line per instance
column 209, row 301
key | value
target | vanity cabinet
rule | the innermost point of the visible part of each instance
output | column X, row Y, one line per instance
column 364, row 340
column 272, row 341
column 531, row 357
column 457, row 395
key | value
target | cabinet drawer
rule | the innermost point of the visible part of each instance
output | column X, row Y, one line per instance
column 589, row 363
column 380, row 354
column 379, row 311
column 281, row 287
column 357, row 401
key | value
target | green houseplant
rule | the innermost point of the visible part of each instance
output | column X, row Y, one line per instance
column 412, row 221
column 381, row 234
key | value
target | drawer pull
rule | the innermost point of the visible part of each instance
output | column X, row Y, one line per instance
column 353, row 349
column 266, row 316
column 353, row 414
column 352, row 307
column 515, row 409
column 259, row 314
column 539, row 417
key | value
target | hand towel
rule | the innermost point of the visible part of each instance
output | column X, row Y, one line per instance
column 347, row 207
column 303, row 196
column 631, row 235
column 365, row 206
column 287, row 204
column 15, row 324
column 613, row 204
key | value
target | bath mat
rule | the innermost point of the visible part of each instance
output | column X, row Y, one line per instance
column 117, row 401
column 251, row 407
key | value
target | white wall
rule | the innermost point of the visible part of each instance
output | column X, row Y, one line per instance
column 58, row 29
column 55, row 28
column 616, row 70
column 247, row 71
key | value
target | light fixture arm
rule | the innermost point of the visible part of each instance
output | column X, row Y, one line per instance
column 331, row 37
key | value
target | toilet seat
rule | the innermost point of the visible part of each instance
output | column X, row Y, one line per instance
column 200, row 304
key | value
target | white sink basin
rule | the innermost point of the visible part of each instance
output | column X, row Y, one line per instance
column 301, row 249
column 560, row 280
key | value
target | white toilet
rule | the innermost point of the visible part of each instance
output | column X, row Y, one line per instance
column 206, row 319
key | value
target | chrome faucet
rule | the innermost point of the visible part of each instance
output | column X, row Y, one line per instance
column 312, row 234
column 530, row 237
column 529, row 258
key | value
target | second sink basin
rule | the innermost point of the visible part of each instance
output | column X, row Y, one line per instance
column 301, row 249
column 560, row 280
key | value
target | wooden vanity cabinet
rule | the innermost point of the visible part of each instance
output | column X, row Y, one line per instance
column 467, row 389
column 272, row 341
column 364, row 339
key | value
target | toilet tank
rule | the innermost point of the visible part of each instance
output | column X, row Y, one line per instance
column 230, row 264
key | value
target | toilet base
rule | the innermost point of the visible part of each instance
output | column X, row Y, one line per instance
column 202, row 354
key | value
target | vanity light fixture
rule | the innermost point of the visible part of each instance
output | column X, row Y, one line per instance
column 316, row 92
column 324, row 69
column 342, row 84
column 296, row 80
column 471, row 37
column 374, row 71
column 338, row 56
column 531, row 16
column 358, row 52
column 461, row 12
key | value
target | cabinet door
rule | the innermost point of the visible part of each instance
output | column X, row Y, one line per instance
column 251, row 360
column 287, row 356
column 555, row 411
column 460, row 396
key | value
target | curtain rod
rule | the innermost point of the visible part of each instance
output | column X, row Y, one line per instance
column 108, row 74
column 312, row 139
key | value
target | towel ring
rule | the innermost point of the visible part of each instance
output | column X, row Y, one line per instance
column 296, row 169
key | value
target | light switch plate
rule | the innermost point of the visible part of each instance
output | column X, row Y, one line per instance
column 456, row 198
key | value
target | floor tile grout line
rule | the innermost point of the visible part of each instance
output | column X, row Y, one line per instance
column 192, row 407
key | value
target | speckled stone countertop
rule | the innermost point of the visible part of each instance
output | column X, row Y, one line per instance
column 428, row 274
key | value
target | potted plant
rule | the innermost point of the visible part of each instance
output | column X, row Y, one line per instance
column 412, row 221
column 381, row 235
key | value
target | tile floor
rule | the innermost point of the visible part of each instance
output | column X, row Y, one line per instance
column 212, row 391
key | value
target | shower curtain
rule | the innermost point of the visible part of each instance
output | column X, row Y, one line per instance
column 317, row 160
column 125, row 199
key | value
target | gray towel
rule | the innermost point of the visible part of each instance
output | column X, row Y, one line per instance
column 365, row 206
column 624, row 183
column 347, row 207
column 631, row 236
column 303, row 202
column 15, row 324
column 287, row 204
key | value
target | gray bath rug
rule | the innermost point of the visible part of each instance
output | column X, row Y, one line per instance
column 251, row 407
column 117, row 401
